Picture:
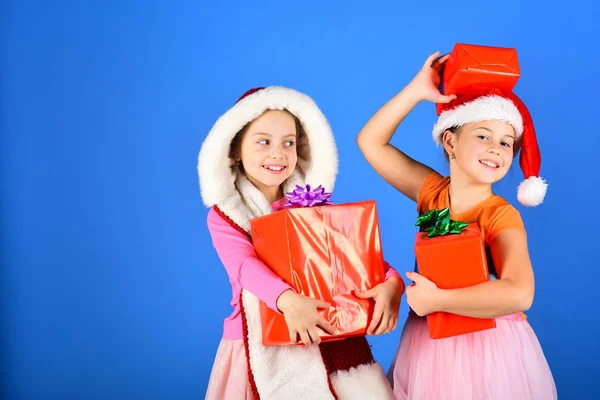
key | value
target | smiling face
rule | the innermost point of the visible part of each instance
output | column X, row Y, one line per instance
column 267, row 151
column 483, row 150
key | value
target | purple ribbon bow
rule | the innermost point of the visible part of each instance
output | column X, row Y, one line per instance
column 308, row 197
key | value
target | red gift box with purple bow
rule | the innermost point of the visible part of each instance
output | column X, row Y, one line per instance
column 325, row 251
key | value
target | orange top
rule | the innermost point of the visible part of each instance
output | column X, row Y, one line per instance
column 493, row 215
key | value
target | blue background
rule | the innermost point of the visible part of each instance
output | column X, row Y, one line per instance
column 110, row 286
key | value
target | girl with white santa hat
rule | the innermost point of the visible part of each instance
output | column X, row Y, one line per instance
column 271, row 140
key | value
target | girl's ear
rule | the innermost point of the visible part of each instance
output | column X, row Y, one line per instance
column 236, row 153
column 449, row 141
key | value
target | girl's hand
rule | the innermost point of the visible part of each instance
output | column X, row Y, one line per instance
column 302, row 318
column 387, row 302
column 422, row 295
column 427, row 80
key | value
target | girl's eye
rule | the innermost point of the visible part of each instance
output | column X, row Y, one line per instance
column 505, row 144
column 289, row 143
column 264, row 142
column 482, row 137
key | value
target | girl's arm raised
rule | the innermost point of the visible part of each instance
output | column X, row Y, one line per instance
column 398, row 169
column 511, row 293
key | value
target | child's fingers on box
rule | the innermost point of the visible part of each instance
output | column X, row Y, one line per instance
column 323, row 324
column 305, row 338
column 314, row 336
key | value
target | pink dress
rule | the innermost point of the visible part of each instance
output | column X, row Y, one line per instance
column 229, row 376
column 497, row 364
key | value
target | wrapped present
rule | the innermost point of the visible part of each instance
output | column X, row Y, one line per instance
column 323, row 251
column 452, row 255
column 471, row 64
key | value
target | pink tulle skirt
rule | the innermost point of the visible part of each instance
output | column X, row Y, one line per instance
column 497, row 364
column 229, row 376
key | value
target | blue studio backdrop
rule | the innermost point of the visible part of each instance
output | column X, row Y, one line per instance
column 110, row 286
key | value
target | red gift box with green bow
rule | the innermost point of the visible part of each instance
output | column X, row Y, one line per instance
column 452, row 255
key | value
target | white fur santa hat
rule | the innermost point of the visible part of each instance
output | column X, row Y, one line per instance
column 486, row 102
column 217, row 179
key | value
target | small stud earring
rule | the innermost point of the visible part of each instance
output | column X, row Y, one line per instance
column 452, row 156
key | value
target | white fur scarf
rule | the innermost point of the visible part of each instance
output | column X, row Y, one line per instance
column 293, row 372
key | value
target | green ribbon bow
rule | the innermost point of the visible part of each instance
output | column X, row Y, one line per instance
column 438, row 223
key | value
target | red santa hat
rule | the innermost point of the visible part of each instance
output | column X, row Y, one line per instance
column 486, row 102
column 249, row 92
